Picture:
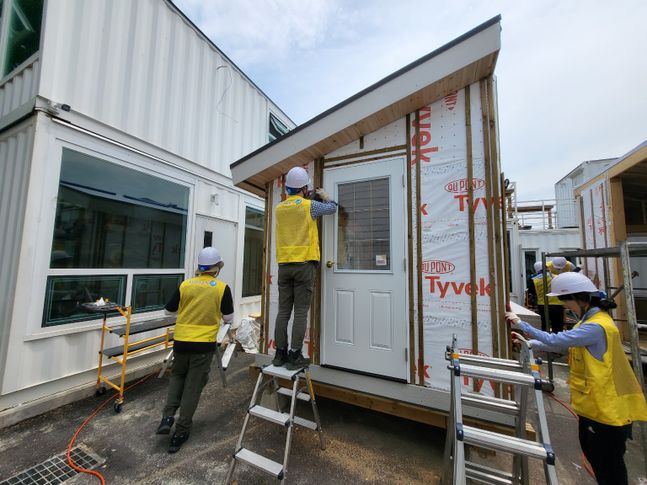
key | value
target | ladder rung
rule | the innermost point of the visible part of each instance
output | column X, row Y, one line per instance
column 475, row 400
column 226, row 356
column 498, row 375
column 306, row 423
column 288, row 392
column 260, row 462
column 270, row 415
column 509, row 444
column 485, row 474
column 481, row 360
column 281, row 372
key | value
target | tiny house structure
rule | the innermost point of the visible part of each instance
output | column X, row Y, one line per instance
column 613, row 208
column 118, row 123
column 416, row 250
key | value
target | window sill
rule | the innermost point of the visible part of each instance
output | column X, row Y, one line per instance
column 88, row 326
column 250, row 299
column 19, row 68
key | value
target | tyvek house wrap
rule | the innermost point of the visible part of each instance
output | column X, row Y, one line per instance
column 443, row 207
column 445, row 232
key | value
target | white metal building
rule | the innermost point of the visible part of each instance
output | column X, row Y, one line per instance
column 118, row 122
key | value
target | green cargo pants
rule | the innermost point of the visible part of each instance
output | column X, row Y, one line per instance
column 295, row 290
column 189, row 375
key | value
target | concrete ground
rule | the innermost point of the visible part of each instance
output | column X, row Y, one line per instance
column 362, row 446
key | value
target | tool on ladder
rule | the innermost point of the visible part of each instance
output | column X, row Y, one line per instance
column 270, row 375
column 524, row 375
column 222, row 361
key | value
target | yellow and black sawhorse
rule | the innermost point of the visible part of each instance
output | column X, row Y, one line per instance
column 121, row 353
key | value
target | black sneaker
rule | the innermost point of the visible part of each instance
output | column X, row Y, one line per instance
column 165, row 425
column 296, row 360
column 280, row 357
column 177, row 440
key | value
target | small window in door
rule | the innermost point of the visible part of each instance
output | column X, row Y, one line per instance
column 208, row 239
column 364, row 226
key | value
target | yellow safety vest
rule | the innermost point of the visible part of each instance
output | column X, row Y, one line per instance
column 538, row 281
column 605, row 391
column 297, row 238
column 198, row 317
column 567, row 268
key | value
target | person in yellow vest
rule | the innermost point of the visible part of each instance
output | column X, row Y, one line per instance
column 200, row 302
column 559, row 265
column 297, row 254
column 555, row 307
column 605, row 393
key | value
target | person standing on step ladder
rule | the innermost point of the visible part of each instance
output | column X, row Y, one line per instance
column 200, row 302
column 297, row 254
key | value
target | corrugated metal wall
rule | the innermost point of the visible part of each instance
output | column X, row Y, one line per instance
column 141, row 68
column 15, row 157
column 19, row 89
column 567, row 211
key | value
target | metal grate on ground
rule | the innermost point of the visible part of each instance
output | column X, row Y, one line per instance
column 55, row 470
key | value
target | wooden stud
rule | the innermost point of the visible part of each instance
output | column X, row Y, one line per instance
column 267, row 261
column 583, row 232
column 412, row 331
column 315, row 311
column 367, row 152
column 490, row 229
column 470, row 223
column 421, row 334
column 369, row 159
column 499, row 230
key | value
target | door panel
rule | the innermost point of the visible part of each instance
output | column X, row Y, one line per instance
column 364, row 316
column 222, row 235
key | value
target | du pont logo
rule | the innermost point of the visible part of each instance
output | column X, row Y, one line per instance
column 436, row 266
column 461, row 185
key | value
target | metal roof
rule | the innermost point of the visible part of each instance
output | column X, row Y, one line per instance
column 461, row 62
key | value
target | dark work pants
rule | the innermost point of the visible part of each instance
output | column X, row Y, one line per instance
column 189, row 375
column 295, row 291
column 555, row 317
column 604, row 447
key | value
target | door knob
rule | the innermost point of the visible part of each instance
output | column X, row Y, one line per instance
column 330, row 264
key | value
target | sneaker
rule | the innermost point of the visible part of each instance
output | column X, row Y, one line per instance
column 177, row 440
column 296, row 360
column 280, row 357
column 165, row 425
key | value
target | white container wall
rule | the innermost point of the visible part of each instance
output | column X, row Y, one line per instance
column 17, row 93
column 15, row 155
column 140, row 67
column 567, row 210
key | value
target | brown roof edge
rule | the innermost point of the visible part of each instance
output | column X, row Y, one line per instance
column 414, row 64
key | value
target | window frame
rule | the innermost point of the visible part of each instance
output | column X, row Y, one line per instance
column 280, row 123
column 4, row 29
column 262, row 231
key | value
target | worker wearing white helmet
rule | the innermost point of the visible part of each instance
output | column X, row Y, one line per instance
column 297, row 253
column 559, row 265
column 201, row 303
column 555, row 308
column 605, row 393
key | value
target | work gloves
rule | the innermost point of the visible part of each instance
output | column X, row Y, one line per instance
column 322, row 194
column 513, row 320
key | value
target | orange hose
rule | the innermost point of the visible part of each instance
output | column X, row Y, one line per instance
column 585, row 462
column 87, row 420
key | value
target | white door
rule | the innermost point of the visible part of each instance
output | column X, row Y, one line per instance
column 364, row 314
column 222, row 235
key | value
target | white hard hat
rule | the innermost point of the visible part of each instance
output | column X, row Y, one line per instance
column 570, row 283
column 209, row 256
column 296, row 178
column 559, row 262
column 537, row 266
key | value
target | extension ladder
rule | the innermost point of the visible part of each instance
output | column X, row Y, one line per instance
column 222, row 361
column 270, row 375
column 524, row 375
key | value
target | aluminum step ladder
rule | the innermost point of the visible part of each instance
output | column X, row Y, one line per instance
column 269, row 376
column 222, row 361
column 523, row 375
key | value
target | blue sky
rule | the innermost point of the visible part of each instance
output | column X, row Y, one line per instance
column 572, row 75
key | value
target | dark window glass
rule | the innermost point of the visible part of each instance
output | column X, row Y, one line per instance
column 277, row 128
column 108, row 216
column 152, row 292
column 364, row 226
column 208, row 239
column 253, row 255
column 66, row 293
column 23, row 36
